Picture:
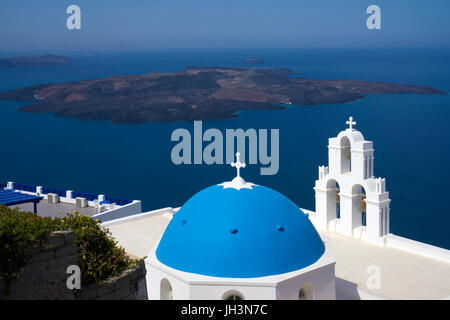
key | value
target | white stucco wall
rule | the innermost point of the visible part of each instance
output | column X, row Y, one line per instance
column 323, row 281
column 180, row 289
column 283, row 286
column 120, row 212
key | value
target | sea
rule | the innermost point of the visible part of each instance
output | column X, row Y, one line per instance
column 410, row 133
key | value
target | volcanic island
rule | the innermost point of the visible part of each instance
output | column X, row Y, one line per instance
column 198, row 93
column 35, row 61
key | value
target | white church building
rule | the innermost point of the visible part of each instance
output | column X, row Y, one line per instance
column 238, row 240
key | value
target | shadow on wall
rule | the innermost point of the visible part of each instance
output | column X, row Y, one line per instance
column 346, row 290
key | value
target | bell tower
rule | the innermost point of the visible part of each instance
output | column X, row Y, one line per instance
column 349, row 199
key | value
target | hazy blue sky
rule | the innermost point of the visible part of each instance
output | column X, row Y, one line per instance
column 32, row 25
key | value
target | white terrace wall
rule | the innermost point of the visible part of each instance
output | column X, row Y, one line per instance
column 124, row 211
column 417, row 247
column 132, row 208
column 135, row 217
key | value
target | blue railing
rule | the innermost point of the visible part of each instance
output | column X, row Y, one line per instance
column 62, row 193
column 25, row 187
column 118, row 201
column 88, row 196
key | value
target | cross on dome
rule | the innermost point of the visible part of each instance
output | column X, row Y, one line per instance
column 238, row 182
column 238, row 164
column 351, row 123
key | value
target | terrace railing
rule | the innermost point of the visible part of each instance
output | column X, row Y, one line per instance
column 118, row 201
column 62, row 193
column 46, row 190
column 24, row 187
column 88, row 196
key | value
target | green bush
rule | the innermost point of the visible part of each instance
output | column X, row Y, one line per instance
column 18, row 231
column 99, row 256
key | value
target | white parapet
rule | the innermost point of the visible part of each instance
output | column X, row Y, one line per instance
column 130, row 209
column 390, row 240
column 81, row 202
column 52, row 198
column 417, row 247
column 169, row 212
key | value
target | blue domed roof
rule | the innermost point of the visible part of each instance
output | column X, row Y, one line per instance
column 246, row 233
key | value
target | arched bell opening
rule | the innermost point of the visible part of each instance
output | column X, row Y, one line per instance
column 334, row 201
column 346, row 155
column 359, row 207
column 333, row 205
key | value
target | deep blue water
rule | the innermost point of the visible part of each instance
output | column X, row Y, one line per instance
column 410, row 133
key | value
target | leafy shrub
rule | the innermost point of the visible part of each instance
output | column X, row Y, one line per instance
column 99, row 256
column 18, row 231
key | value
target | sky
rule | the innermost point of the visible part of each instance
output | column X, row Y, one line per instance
column 135, row 25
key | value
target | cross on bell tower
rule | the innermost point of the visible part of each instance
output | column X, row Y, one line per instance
column 351, row 123
column 238, row 164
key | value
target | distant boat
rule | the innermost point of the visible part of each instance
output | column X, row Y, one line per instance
column 254, row 60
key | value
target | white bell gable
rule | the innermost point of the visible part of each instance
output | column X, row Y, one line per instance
column 349, row 199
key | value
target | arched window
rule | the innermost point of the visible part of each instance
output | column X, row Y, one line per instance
column 165, row 290
column 306, row 292
column 302, row 294
column 233, row 295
